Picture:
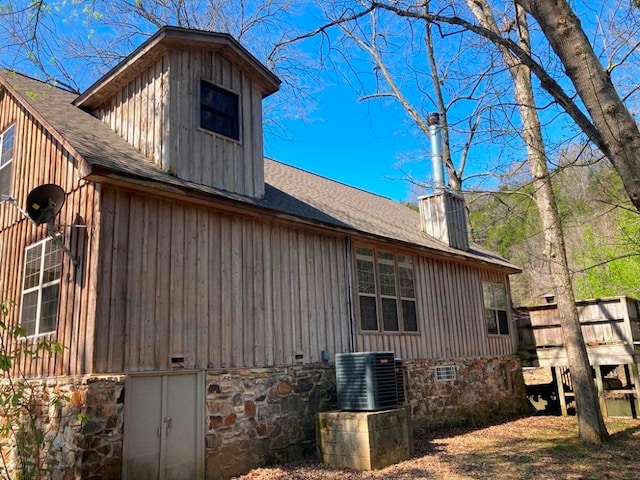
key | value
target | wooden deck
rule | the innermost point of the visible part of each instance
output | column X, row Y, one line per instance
column 611, row 331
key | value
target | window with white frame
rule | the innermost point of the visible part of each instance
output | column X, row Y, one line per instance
column 6, row 159
column 386, row 291
column 41, row 288
column 495, row 308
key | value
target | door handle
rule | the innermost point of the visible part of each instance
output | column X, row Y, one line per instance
column 168, row 423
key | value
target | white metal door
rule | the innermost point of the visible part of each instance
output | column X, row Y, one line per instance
column 163, row 430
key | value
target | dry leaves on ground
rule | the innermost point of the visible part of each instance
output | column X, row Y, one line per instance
column 531, row 448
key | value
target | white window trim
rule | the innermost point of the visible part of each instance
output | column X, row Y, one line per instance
column 10, row 161
column 39, row 287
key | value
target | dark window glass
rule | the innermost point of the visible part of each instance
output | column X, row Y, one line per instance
column 219, row 110
column 368, row 313
column 503, row 322
column 409, row 316
column 492, row 325
column 386, row 290
column 495, row 304
column 390, row 314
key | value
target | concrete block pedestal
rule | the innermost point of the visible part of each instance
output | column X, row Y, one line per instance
column 364, row 440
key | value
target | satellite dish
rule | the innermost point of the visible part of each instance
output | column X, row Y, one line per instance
column 44, row 203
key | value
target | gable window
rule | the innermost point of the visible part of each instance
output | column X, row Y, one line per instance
column 219, row 110
column 386, row 293
column 41, row 287
column 6, row 159
column 495, row 308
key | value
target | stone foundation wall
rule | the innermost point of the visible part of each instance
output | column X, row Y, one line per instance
column 82, row 419
column 484, row 389
column 256, row 417
column 263, row 416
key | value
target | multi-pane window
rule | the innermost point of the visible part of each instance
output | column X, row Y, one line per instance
column 495, row 308
column 219, row 110
column 386, row 292
column 6, row 159
column 41, row 288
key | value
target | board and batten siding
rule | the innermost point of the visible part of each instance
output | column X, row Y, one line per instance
column 40, row 159
column 138, row 111
column 213, row 288
column 158, row 112
column 450, row 311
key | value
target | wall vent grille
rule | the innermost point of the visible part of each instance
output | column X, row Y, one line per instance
column 445, row 373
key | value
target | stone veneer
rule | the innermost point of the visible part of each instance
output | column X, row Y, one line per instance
column 88, row 449
column 262, row 416
column 485, row 389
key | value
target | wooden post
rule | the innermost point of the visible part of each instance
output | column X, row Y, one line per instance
column 600, row 387
column 636, row 383
column 557, row 373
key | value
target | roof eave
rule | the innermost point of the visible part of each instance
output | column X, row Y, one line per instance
column 161, row 42
column 83, row 166
column 101, row 174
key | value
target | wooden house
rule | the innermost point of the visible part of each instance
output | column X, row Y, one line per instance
column 213, row 286
column 611, row 331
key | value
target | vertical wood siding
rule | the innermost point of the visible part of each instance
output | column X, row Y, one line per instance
column 170, row 89
column 139, row 112
column 451, row 319
column 220, row 290
column 40, row 159
column 444, row 217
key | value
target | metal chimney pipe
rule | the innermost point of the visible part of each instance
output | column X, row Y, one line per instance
column 437, row 168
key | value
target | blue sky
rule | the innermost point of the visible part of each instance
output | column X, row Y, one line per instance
column 359, row 143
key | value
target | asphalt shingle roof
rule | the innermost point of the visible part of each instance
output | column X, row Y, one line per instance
column 288, row 189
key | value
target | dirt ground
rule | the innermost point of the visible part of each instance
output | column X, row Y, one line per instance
column 540, row 448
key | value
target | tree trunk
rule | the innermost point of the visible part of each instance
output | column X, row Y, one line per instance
column 591, row 424
column 611, row 117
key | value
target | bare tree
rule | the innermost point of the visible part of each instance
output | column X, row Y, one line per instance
column 421, row 72
column 72, row 43
column 619, row 137
column 591, row 424
column 609, row 125
column 514, row 45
